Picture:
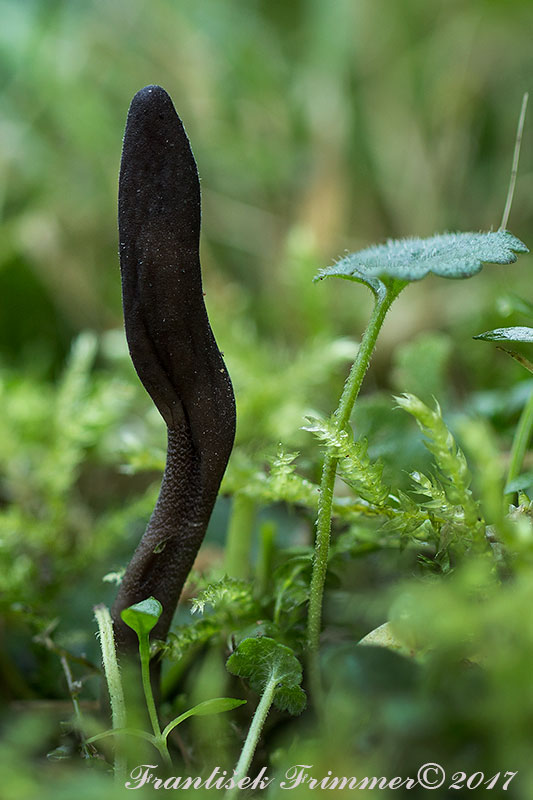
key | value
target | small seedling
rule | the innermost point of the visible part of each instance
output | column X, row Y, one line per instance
column 142, row 618
column 275, row 673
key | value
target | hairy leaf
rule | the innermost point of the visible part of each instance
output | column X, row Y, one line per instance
column 449, row 459
column 279, row 483
column 355, row 466
column 516, row 334
column 450, row 255
column 227, row 592
column 263, row 660
column 182, row 639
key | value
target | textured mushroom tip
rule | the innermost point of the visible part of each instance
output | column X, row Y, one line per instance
column 151, row 100
column 151, row 93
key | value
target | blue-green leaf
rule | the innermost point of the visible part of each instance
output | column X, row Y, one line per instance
column 450, row 255
column 516, row 334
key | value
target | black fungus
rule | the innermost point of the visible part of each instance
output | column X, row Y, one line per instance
column 172, row 348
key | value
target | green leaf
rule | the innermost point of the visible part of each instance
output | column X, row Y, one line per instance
column 228, row 592
column 263, row 660
column 355, row 466
column 290, row 698
column 143, row 616
column 516, row 334
column 520, row 483
column 451, row 463
column 119, row 731
column 450, row 255
column 215, row 706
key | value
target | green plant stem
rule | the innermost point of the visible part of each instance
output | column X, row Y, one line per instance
column 323, row 526
column 144, row 652
column 239, row 539
column 254, row 732
column 159, row 741
column 519, row 447
column 114, row 683
column 263, row 570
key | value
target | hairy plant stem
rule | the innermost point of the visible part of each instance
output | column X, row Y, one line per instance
column 114, row 683
column 254, row 732
column 519, row 446
column 341, row 418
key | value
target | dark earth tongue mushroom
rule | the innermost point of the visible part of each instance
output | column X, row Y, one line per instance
column 172, row 347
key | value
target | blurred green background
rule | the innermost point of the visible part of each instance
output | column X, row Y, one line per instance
column 319, row 126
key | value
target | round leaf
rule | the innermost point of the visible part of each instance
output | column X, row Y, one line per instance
column 262, row 660
column 143, row 616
